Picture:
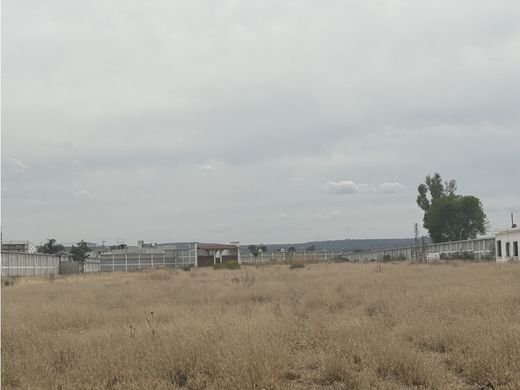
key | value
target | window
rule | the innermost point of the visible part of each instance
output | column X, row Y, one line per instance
column 508, row 247
column 515, row 248
column 499, row 248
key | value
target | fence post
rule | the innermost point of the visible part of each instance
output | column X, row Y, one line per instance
column 126, row 262
column 164, row 260
column 113, row 263
column 139, row 261
column 151, row 258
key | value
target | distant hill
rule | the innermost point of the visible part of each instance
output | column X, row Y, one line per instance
column 346, row 245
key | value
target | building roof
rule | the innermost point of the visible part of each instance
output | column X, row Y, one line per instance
column 212, row 247
column 509, row 231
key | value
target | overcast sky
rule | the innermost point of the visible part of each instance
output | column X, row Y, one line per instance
column 257, row 121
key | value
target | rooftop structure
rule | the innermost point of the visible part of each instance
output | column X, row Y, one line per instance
column 19, row 246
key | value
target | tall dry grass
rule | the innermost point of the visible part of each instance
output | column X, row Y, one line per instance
column 329, row 326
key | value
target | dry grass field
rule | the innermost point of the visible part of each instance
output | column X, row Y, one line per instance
column 327, row 326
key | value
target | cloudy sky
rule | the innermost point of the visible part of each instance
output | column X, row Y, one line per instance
column 259, row 121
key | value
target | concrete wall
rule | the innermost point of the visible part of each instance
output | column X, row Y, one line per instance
column 38, row 264
column 478, row 249
column 132, row 261
column 247, row 257
column 74, row 267
column 29, row 264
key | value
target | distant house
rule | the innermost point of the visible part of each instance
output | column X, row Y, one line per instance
column 210, row 254
column 506, row 242
column 19, row 246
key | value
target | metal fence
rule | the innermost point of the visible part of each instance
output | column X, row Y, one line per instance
column 178, row 258
column 284, row 256
column 29, row 264
column 478, row 249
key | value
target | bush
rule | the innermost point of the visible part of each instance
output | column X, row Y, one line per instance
column 394, row 258
column 340, row 259
column 296, row 265
column 8, row 281
column 231, row 264
column 457, row 256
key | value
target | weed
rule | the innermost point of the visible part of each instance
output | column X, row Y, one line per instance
column 152, row 324
column 243, row 280
column 231, row 264
column 9, row 281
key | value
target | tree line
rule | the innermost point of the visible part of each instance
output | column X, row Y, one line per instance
column 79, row 252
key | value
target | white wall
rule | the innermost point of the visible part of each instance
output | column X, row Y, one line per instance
column 503, row 239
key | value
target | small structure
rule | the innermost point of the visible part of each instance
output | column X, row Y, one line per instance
column 507, row 244
column 19, row 247
column 210, row 254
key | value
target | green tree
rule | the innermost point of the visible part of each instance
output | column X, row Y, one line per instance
column 311, row 248
column 51, row 247
column 448, row 216
column 80, row 252
column 256, row 249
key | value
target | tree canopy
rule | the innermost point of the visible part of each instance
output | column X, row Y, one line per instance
column 256, row 249
column 448, row 216
column 50, row 247
column 80, row 251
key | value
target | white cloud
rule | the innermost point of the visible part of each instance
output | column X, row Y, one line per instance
column 17, row 165
column 83, row 193
column 207, row 168
column 344, row 187
column 329, row 216
column 390, row 188
column 35, row 202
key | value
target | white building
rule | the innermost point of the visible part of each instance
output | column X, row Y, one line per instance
column 506, row 242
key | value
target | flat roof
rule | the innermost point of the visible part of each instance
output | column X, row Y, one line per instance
column 510, row 230
column 210, row 247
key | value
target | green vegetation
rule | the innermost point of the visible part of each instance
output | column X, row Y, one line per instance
column 50, row 247
column 231, row 264
column 80, row 252
column 256, row 249
column 448, row 216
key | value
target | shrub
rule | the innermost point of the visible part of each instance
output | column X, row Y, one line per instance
column 296, row 265
column 8, row 281
column 465, row 255
column 231, row 264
